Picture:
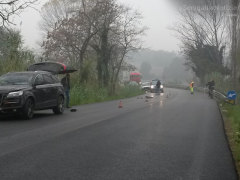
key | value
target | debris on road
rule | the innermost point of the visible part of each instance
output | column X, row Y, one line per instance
column 73, row 110
column 120, row 105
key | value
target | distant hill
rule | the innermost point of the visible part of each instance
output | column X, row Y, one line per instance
column 155, row 58
column 167, row 66
column 177, row 73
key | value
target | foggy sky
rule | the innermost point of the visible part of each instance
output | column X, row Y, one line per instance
column 158, row 15
column 196, row 2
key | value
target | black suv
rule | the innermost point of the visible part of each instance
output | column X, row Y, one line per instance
column 24, row 92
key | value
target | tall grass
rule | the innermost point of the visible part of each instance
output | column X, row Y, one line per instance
column 91, row 94
column 232, row 114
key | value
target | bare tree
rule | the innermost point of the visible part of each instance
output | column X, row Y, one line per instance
column 127, row 38
column 69, row 40
column 203, row 34
column 100, row 28
column 119, row 33
column 69, row 30
column 8, row 8
column 234, row 39
column 54, row 11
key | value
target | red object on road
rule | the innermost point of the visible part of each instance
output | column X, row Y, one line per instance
column 120, row 105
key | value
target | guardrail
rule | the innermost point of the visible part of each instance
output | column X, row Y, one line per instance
column 219, row 95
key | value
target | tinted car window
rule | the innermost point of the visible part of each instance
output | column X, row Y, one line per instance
column 154, row 82
column 39, row 80
column 55, row 79
column 146, row 84
column 15, row 79
column 48, row 79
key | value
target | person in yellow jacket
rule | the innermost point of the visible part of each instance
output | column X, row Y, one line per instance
column 191, row 86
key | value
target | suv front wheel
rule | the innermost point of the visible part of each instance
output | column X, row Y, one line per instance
column 28, row 109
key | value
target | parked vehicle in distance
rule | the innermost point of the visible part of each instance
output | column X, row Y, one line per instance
column 154, row 88
column 24, row 92
column 146, row 86
column 135, row 77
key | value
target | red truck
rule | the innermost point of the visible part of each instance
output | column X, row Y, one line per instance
column 135, row 76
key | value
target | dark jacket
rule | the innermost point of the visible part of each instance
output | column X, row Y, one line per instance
column 158, row 84
column 210, row 84
column 66, row 83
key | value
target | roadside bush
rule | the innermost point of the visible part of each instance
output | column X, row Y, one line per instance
column 223, row 83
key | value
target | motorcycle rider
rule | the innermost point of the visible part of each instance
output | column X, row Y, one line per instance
column 158, row 85
column 210, row 85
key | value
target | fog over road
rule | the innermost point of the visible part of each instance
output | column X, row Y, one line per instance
column 174, row 136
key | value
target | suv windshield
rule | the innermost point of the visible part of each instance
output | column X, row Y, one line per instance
column 146, row 84
column 15, row 79
column 154, row 82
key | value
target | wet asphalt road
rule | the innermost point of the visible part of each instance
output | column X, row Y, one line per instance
column 173, row 136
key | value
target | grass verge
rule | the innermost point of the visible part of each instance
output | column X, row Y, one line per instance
column 231, row 115
column 86, row 95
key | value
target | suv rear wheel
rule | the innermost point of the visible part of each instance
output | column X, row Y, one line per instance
column 59, row 109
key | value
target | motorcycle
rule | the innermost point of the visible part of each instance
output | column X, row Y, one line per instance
column 210, row 92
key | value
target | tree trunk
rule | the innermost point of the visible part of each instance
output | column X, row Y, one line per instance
column 235, row 4
column 105, row 57
column 99, row 70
